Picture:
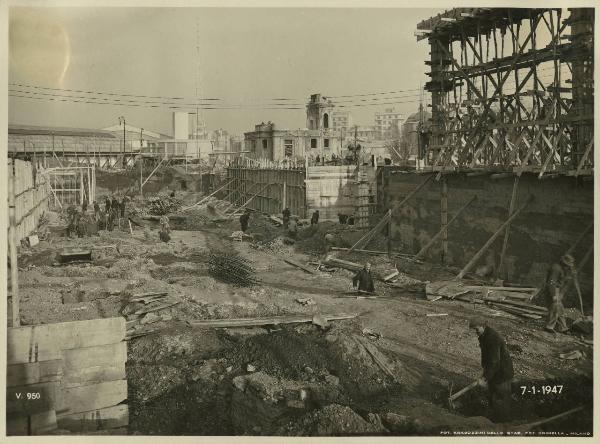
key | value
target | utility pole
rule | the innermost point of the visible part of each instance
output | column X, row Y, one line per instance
column 141, row 163
column 122, row 120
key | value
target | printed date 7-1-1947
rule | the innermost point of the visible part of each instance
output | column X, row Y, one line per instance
column 541, row 390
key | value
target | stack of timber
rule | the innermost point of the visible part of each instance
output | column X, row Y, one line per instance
column 145, row 309
column 67, row 376
column 513, row 300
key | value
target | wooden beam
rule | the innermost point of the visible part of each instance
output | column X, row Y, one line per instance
column 485, row 247
column 275, row 320
column 584, row 158
column 207, row 197
column 297, row 265
column 511, row 209
column 444, row 219
column 434, row 239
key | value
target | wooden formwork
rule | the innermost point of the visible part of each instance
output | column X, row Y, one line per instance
column 275, row 189
column 31, row 196
column 68, row 375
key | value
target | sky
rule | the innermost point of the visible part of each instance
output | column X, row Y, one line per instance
column 247, row 58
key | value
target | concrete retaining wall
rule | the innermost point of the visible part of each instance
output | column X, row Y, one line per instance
column 561, row 210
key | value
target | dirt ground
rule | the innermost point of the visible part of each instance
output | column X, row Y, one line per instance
column 296, row 379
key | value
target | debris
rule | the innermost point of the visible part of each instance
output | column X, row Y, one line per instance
column 276, row 220
column 374, row 354
column 446, row 289
column 161, row 205
column 275, row 320
column 150, row 318
column 250, row 368
column 306, row 301
column 297, row 265
column 320, row 321
column 158, row 308
column 371, row 333
column 33, row 240
column 575, row 354
column 146, row 298
column 390, row 276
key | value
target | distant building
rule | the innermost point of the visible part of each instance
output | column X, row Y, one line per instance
column 409, row 132
column 386, row 122
column 319, row 139
column 134, row 136
column 342, row 120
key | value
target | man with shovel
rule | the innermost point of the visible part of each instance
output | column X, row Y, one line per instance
column 497, row 369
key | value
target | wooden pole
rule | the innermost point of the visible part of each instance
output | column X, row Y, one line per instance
column 511, row 208
column 389, row 234
column 206, row 198
column 444, row 219
column 367, row 237
column 434, row 239
column 491, row 240
column 12, row 239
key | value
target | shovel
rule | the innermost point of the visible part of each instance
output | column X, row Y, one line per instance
column 461, row 392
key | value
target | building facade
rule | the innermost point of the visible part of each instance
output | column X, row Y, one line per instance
column 386, row 123
column 341, row 120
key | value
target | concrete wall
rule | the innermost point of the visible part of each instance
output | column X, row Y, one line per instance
column 562, row 209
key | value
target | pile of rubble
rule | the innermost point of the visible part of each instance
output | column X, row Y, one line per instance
column 163, row 204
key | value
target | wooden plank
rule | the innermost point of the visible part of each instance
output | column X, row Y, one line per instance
column 92, row 397
column 33, row 398
column 516, row 311
column 35, row 424
column 300, row 266
column 33, row 373
column 250, row 322
column 157, row 308
column 101, row 419
column 101, row 355
column 46, row 342
column 93, row 375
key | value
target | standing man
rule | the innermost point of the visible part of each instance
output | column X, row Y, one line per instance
column 84, row 206
column 314, row 220
column 555, row 285
column 244, row 219
column 363, row 280
column 107, row 204
column 286, row 217
column 122, row 206
column 497, row 369
column 96, row 210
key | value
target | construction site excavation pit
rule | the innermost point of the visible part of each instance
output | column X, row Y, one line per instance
column 303, row 380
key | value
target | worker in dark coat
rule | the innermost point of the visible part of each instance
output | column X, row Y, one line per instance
column 314, row 220
column 286, row 217
column 497, row 369
column 84, row 206
column 96, row 210
column 555, row 286
column 122, row 206
column 114, row 205
column 363, row 280
column 244, row 219
column 107, row 204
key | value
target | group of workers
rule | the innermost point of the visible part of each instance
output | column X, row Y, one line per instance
column 79, row 220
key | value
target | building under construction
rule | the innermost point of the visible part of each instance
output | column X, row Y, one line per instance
column 277, row 290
